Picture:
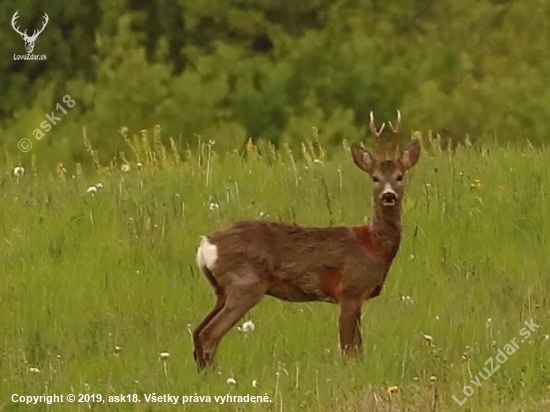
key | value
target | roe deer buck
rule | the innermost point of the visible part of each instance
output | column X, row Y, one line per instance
column 342, row 265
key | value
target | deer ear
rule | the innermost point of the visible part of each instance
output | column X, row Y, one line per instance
column 362, row 158
column 410, row 154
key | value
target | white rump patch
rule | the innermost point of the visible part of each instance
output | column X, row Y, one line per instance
column 207, row 254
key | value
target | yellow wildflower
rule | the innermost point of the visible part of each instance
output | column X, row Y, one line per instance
column 392, row 389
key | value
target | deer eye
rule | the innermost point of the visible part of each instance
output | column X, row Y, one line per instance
column 375, row 179
column 399, row 178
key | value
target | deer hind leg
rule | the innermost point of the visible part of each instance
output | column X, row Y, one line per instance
column 241, row 295
column 198, row 350
column 350, row 327
column 220, row 301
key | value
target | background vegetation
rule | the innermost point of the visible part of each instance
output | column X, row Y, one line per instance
column 96, row 285
column 233, row 70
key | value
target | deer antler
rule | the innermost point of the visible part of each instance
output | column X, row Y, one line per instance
column 13, row 19
column 377, row 133
column 396, row 133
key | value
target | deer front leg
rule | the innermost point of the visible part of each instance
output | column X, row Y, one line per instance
column 357, row 339
column 350, row 327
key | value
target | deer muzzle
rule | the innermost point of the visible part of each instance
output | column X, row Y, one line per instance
column 389, row 198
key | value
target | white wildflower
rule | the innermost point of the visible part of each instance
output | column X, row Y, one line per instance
column 34, row 370
column 92, row 190
column 488, row 322
column 125, row 168
column 255, row 383
column 231, row 381
column 164, row 355
column 214, row 206
column 99, row 186
column 18, row 171
column 248, row 326
column 427, row 337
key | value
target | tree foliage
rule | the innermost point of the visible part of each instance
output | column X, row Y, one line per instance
column 233, row 70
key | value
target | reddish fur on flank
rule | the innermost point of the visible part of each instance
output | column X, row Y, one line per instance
column 365, row 236
column 330, row 284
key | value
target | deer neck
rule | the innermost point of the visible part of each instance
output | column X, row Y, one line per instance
column 386, row 226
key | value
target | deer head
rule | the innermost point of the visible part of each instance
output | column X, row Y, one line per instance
column 387, row 169
column 29, row 40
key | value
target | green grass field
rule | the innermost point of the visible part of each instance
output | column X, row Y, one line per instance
column 95, row 288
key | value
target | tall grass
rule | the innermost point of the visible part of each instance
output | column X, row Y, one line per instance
column 95, row 286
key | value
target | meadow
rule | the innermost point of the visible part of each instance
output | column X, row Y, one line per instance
column 100, row 290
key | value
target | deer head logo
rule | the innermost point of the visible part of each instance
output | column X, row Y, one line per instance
column 29, row 40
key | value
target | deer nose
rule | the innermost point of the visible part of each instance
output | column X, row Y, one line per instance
column 389, row 197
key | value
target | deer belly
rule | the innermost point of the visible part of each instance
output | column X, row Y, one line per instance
column 286, row 290
column 324, row 287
